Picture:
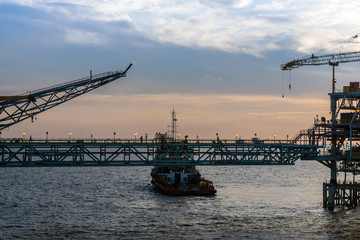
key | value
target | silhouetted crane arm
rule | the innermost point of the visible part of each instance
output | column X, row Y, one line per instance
column 15, row 98
column 331, row 59
column 14, row 109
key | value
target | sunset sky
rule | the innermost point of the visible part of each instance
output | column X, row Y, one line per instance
column 217, row 63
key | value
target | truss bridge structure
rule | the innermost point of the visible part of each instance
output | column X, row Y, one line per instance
column 126, row 152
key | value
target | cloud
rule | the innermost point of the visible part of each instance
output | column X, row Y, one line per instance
column 228, row 3
column 207, row 100
column 84, row 37
column 278, row 114
column 251, row 27
column 202, row 114
column 211, row 79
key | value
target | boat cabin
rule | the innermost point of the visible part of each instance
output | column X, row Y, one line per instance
column 180, row 175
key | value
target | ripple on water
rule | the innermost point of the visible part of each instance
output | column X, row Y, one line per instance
column 119, row 203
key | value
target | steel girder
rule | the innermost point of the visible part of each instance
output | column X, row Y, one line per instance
column 322, row 60
column 14, row 111
column 19, row 153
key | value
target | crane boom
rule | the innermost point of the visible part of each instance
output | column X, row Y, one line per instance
column 14, row 98
column 14, row 109
column 330, row 59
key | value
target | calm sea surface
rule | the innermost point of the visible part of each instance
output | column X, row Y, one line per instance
column 260, row 202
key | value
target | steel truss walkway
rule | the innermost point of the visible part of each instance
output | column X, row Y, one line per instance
column 27, row 153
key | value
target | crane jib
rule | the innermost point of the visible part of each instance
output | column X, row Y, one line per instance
column 14, row 109
column 331, row 59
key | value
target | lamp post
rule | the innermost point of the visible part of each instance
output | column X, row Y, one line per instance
column 236, row 136
column 47, row 135
column 274, row 137
column 70, row 136
column 135, row 135
column 114, row 136
column 24, row 135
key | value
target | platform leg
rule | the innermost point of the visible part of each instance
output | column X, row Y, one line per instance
column 355, row 198
column 332, row 187
column 325, row 195
column 331, row 198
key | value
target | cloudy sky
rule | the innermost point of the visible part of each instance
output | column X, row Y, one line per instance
column 216, row 62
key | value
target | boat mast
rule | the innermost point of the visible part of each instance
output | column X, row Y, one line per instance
column 173, row 124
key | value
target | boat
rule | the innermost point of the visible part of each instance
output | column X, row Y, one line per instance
column 181, row 181
column 176, row 175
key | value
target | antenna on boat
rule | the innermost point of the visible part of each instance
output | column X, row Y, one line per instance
column 173, row 125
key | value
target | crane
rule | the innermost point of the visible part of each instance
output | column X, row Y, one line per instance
column 16, row 97
column 330, row 59
column 14, row 109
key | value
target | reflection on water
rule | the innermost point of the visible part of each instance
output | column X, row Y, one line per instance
column 263, row 202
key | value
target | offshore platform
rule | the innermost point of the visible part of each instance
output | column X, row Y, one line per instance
column 340, row 133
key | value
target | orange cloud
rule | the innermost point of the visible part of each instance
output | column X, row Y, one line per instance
column 199, row 114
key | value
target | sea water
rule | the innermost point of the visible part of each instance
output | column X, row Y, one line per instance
column 252, row 202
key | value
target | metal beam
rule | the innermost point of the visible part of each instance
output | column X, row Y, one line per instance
column 330, row 59
column 34, row 153
column 15, row 109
